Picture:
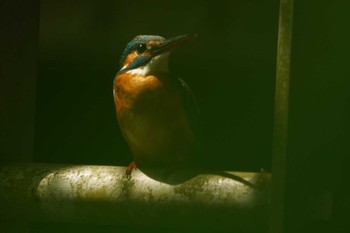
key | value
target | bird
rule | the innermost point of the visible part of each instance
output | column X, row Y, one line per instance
column 157, row 113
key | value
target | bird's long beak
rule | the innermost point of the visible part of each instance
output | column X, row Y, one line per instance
column 173, row 43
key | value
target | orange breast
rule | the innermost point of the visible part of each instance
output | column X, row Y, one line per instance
column 153, row 120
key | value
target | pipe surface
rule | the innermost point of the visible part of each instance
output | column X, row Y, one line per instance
column 102, row 194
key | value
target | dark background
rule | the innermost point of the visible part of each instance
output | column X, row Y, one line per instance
column 56, row 104
column 230, row 68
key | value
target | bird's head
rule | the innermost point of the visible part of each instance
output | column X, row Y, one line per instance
column 148, row 53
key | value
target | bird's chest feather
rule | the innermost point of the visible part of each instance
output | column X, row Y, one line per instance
column 150, row 113
column 142, row 96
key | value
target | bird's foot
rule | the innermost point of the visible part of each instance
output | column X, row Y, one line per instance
column 130, row 168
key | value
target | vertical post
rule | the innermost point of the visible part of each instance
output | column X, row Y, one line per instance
column 277, row 224
column 19, row 22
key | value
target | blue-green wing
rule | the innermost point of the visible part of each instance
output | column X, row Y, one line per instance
column 191, row 107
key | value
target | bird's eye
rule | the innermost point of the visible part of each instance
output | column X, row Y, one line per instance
column 141, row 48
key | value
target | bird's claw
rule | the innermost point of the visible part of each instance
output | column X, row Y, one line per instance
column 130, row 168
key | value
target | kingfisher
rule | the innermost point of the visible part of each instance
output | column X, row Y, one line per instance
column 157, row 113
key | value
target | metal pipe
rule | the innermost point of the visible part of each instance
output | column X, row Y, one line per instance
column 102, row 194
column 279, row 159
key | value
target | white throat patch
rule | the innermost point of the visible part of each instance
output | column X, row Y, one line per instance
column 156, row 64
